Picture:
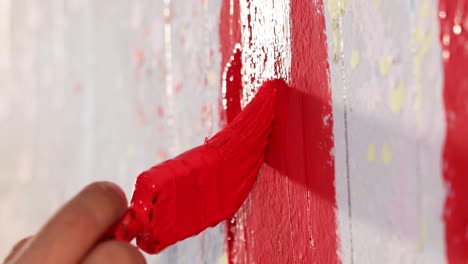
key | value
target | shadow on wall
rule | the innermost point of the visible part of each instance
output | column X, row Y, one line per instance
column 296, row 152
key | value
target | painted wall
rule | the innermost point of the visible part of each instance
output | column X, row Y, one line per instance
column 367, row 161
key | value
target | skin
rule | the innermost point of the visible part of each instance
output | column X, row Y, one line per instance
column 74, row 234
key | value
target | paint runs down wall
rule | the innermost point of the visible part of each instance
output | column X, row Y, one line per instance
column 367, row 160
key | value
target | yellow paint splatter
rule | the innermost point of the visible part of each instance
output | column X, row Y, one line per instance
column 397, row 97
column 385, row 64
column 421, row 42
column 386, row 154
column 131, row 151
column 337, row 10
column 355, row 57
column 371, row 153
column 223, row 259
column 422, row 234
column 377, row 4
column 211, row 77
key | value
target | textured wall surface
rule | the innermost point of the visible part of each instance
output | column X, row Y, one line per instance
column 99, row 90
column 368, row 162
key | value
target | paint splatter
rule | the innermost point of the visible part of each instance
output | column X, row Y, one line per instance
column 160, row 111
column 139, row 57
column 422, row 234
column 386, row 154
column 211, row 78
column 337, row 9
column 421, row 42
column 377, row 4
column 355, row 57
column 397, row 96
column 371, row 153
column 385, row 64
column 131, row 151
column 141, row 114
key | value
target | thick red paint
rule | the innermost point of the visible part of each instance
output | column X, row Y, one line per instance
column 454, row 17
column 233, row 83
column 290, row 217
column 230, row 35
column 185, row 195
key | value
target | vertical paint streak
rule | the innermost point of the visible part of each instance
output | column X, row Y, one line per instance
column 229, row 36
column 454, row 38
column 310, row 104
column 295, row 193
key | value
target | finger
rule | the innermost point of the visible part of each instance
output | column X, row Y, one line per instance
column 117, row 252
column 75, row 228
column 17, row 248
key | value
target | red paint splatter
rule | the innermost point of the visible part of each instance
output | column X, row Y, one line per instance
column 161, row 154
column 453, row 16
column 146, row 31
column 141, row 115
column 160, row 111
column 77, row 89
column 178, row 88
column 139, row 57
column 290, row 217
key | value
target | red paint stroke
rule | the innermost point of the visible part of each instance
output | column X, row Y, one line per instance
column 453, row 22
column 229, row 36
column 201, row 187
column 233, row 84
column 290, row 217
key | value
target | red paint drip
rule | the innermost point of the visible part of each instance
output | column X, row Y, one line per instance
column 453, row 16
column 229, row 36
column 291, row 214
column 233, row 85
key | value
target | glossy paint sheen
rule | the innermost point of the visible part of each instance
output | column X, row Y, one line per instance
column 290, row 215
column 454, row 38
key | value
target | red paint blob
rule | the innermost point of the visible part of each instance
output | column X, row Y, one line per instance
column 455, row 153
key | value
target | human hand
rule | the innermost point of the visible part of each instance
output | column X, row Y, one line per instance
column 74, row 234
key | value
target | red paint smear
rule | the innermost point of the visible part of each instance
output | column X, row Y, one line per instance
column 229, row 36
column 141, row 115
column 160, row 111
column 139, row 57
column 290, row 217
column 178, row 88
column 455, row 152
column 233, row 86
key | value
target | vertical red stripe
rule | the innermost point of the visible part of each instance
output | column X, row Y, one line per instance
column 229, row 36
column 290, row 217
column 454, row 37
